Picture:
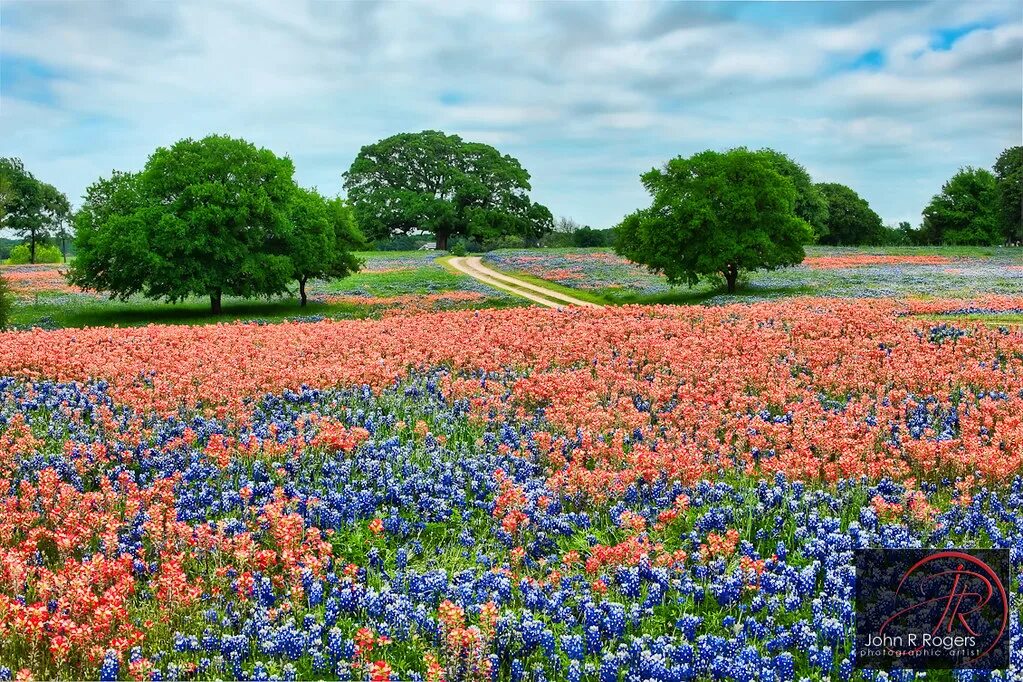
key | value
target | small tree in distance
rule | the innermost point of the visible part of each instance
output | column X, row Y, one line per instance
column 715, row 212
column 850, row 220
column 323, row 236
column 966, row 211
column 32, row 209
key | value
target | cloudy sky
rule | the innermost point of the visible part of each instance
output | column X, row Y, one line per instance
column 888, row 97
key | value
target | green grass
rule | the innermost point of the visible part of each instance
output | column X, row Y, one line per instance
column 395, row 274
column 427, row 280
column 581, row 294
column 102, row 313
column 991, row 320
column 387, row 275
column 971, row 272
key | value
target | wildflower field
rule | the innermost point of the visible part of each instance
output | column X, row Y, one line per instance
column 861, row 272
column 389, row 282
column 609, row 494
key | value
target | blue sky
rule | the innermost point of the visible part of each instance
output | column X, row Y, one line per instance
column 887, row 97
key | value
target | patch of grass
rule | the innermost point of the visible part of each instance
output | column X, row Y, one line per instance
column 103, row 313
column 989, row 319
column 581, row 294
column 425, row 280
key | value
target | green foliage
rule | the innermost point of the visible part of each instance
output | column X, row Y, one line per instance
column 509, row 241
column 902, row 235
column 401, row 242
column 715, row 213
column 441, row 184
column 587, row 237
column 850, row 219
column 966, row 211
column 32, row 209
column 458, row 248
column 45, row 253
column 322, row 238
column 1009, row 174
column 811, row 204
column 6, row 302
column 204, row 218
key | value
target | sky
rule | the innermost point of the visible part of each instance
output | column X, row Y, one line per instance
column 890, row 98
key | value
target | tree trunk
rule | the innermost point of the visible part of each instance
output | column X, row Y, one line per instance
column 301, row 289
column 731, row 275
column 442, row 241
column 215, row 296
column 32, row 248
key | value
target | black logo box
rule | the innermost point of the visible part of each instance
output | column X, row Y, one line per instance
column 931, row 609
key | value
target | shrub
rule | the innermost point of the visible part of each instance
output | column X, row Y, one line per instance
column 458, row 249
column 402, row 242
column 45, row 253
column 508, row 241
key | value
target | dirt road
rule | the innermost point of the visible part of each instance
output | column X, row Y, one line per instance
column 473, row 266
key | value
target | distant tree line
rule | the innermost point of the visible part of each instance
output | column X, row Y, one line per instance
column 220, row 216
column 977, row 206
column 718, row 214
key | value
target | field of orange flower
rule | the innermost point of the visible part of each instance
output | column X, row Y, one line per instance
column 580, row 494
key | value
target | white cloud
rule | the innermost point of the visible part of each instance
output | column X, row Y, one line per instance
column 587, row 95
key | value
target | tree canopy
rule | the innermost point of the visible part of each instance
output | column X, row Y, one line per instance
column 850, row 219
column 715, row 212
column 811, row 204
column 441, row 184
column 32, row 209
column 322, row 239
column 204, row 218
column 965, row 211
column 1009, row 175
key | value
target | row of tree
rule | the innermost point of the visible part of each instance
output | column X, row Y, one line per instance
column 977, row 206
column 219, row 216
column 723, row 213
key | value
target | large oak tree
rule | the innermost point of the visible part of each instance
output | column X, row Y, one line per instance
column 715, row 213
column 203, row 218
column 442, row 184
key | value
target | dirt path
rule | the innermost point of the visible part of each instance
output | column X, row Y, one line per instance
column 472, row 266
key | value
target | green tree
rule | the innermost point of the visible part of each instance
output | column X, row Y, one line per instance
column 32, row 209
column 715, row 213
column 850, row 219
column 323, row 236
column 966, row 210
column 45, row 253
column 6, row 302
column 586, row 236
column 441, row 184
column 6, row 193
column 1009, row 174
column 811, row 204
column 204, row 218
